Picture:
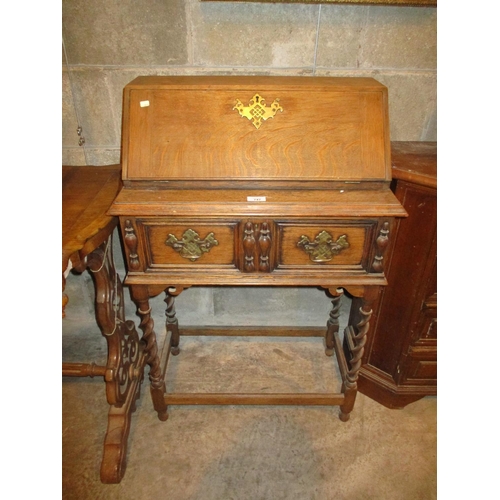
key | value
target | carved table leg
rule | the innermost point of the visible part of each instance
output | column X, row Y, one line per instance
column 125, row 365
column 171, row 323
column 140, row 295
column 354, row 345
column 333, row 321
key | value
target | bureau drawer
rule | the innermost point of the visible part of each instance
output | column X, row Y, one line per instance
column 188, row 243
column 255, row 245
column 325, row 244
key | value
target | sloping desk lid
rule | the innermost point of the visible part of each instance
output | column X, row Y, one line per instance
column 247, row 128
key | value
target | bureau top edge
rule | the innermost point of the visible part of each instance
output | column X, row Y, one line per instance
column 271, row 82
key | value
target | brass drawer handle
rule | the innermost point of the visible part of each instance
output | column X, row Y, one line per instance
column 191, row 246
column 258, row 110
column 323, row 248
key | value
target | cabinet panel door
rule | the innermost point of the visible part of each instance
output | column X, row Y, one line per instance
column 403, row 318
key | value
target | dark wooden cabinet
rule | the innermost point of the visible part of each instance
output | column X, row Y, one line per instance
column 400, row 361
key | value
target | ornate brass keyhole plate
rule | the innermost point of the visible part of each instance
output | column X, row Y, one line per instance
column 191, row 246
column 323, row 248
column 257, row 110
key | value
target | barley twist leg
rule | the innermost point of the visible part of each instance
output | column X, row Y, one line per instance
column 140, row 296
column 171, row 322
column 333, row 320
column 355, row 338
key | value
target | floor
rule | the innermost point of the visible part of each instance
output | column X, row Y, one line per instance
column 241, row 452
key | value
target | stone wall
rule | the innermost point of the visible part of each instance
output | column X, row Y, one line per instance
column 107, row 43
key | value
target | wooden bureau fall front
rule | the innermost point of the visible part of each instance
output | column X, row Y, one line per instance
column 256, row 181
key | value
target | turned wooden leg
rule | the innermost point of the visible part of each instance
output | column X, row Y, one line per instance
column 171, row 322
column 140, row 295
column 354, row 344
column 333, row 321
column 125, row 365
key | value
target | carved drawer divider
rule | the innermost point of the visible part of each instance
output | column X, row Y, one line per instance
column 131, row 244
column 381, row 243
column 257, row 243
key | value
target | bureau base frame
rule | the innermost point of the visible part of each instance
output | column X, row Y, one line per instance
column 348, row 353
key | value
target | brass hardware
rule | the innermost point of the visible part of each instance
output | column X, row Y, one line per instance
column 258, row 110
column 191, row 246
column 81, row 140
column 323, row 248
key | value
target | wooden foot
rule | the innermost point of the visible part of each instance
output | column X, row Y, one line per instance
column 344, row 416
column 114, row 459
column 350, row 393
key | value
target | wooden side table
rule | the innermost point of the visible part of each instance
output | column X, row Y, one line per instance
column 87, row 193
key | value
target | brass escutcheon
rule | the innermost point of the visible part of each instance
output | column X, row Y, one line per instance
column 191, row 246
column 323, row 248
column 258, row 110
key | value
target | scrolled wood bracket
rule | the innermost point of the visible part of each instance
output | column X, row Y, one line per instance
column 191, row 246
column 323, row 248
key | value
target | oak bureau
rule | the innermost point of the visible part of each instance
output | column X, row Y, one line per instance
column 260, row 181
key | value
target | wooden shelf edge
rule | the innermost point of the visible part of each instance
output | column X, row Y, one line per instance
column 308, row 399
